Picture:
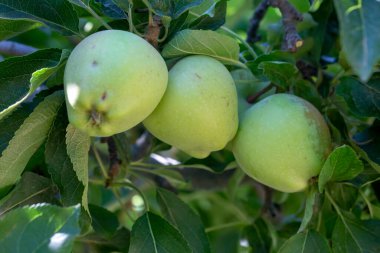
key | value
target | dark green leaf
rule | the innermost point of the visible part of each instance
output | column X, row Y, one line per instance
column 21, row 76
column 110, row 9
column 213, row 18
column 342, row 164
column 11, row 123
column 57, row 14
column 184, row 219
column 305, row 242
column 258, row 236
column 59, row 164
column 172, row 8
column 104, row 222
column 282, row 74
column 273, row 56
column 368, row 145
column 10, row 28
column 354, row 236
column 40, row 228
column 119, row 242
column 363, row 99
column 210, row 43
column 345, row 195
column 27, row 139
column 31, row 189
column 369, row 175
column 152, row 234
column 360, row 37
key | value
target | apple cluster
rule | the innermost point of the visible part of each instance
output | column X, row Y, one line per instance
column 115, row 80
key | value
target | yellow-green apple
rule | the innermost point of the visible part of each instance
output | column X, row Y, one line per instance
column 113, row 80
column 282, row 142
column 198, row 113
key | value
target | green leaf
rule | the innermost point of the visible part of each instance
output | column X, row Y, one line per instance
column 27, row 139
column 368, row 176
column 210, row 43
column 172, row 8
column 119, row 242
column 341, row 165
column 281, row 74
column 363, row 99
column 312, row 206
column 359, row 23
column 58, row 14
column 12, row 122
column 354, row 236
column 213, row 18
column 10, row 28
column 21, row 76
column 78, row 146
column 344, row 194
column 305, row 242
column 59, row 163
column 152, row 234
column 274, row 56
column 258, row 236
column 184, row 219
column 104, row 222
column 31, row 189
column 39, row 228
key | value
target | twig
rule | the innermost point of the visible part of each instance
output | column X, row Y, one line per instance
column 255, row 96
column 254, row 23
column 114, row 161
column 15, row 49
column 290, row 16
column 153, row 31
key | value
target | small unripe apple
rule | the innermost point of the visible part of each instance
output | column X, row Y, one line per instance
column 113, row 80
column 282, row 142
column 198, row 113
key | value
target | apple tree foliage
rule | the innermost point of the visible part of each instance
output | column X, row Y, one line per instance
column 62, row 191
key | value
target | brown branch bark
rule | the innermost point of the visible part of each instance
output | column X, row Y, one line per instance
column 254, row 23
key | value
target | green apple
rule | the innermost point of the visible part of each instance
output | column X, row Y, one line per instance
column 198, row 113
column 282, row 142
column 113, row 80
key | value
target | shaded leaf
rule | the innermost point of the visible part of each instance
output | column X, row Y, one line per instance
column 172, row 8
column 342, row 164
column 78, row 146
column 152, row 234
column 258, row 236
column 210, row 43
column 12, row 122
column 308, row 241
column 38, row 232
column 59, row 164
column 354, row 236
column 57, row 14
column 21, row 76
column 369, row 175
column 359, row 22
column 10, row 28
column 96, row 243
column 345, row 195
column 184, row 219
column 27, row 139
column 31, row 189
column 312, row 206
column 367, row 144
column 363, row 99
column 279, row 73
column 104, row 222
column 213, row 18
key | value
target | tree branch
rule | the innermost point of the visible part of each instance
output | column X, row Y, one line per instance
column 114, row 161
column 254, row 23
column 15, row 49
column 290, row 16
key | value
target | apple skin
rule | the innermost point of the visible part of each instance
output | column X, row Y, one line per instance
column 113, row 80
column 198, row 113
column 282, row 142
